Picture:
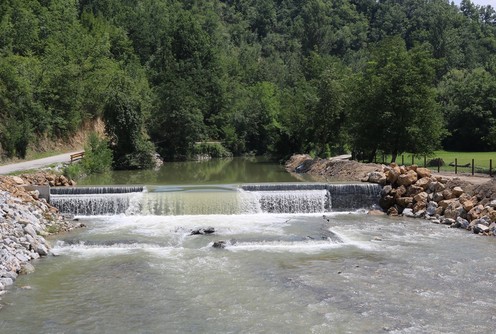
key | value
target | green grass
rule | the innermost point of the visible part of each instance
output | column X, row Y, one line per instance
column 481, row 160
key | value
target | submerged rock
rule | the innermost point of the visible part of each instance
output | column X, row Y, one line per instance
column 219, row 244
column 203, row 231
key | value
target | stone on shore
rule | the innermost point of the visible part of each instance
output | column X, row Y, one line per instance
column 24, row 220
column 415, row 192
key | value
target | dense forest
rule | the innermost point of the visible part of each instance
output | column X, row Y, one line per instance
column 262, row 77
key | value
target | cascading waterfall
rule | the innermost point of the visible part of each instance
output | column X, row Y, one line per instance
column 91, row 201
column 345, row 197
column 245, row 199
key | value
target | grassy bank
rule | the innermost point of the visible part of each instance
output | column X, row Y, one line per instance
column 482, row 161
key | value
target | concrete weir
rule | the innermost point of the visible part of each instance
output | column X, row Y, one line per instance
column 242, row 199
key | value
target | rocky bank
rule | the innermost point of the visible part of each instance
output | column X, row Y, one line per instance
column 25, row 221
column 415, row 192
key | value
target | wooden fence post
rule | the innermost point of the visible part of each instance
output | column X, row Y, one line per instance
column 473, row 167
column 438, row 164
column 456, row 165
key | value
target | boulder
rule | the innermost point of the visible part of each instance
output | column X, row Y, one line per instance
column 219, row 244
column 423, row 172
column 453, row 210
column 386, row 202
column 413, row 190
column 404, row 201
column 423, row 183
column 468, row 205
column 412, row 168
column 408, row 213
column 447, row 194
column 437, row 197
column 203, row 231
column 492, row 216
column 445, row 203
column 376, row 213
column 419, row 207
column 392, row 176
column 448, row 221
column 386, row 190
column 463, row 223
column 475, row 212
column 431, row 208
column 400, row 191
column 393, row 211
column 437, row 187
column 377, row 177
column 457, row 191
column 408, row 178
column 39, row 248
column 421, row 197
column 18, row 180
column 30, row 230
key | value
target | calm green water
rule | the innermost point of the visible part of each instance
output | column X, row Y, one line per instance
column 216, row 171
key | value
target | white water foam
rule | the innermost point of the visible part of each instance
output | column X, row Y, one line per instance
column 95, row 250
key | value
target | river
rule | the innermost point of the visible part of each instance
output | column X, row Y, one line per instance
column 314, row 270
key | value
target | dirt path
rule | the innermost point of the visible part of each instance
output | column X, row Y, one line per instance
column 35, row 164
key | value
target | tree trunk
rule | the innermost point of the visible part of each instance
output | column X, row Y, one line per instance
column 394, row 155
column 372, row 155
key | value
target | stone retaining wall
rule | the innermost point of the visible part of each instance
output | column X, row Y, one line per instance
column 415, row 192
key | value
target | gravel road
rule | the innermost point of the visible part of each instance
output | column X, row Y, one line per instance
column 35, row 164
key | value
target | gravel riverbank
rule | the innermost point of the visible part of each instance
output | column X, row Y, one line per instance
column 25, row 221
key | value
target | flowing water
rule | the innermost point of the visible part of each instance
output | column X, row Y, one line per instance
column 298, row 258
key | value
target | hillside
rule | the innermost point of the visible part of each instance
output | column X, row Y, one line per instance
column 263, row 77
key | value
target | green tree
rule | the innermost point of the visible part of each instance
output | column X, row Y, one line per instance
column 395, row 105
column 97, row 155
column 125, row 113
column 468, row 101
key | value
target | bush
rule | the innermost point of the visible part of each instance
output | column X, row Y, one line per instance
column 142, row 157
column 436, row 162
column 97, row 156
column 73, row 171
column 214, row 150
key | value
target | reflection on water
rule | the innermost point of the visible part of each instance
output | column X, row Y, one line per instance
column 215, row 171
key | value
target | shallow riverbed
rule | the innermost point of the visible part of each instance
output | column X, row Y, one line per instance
column 280, row 273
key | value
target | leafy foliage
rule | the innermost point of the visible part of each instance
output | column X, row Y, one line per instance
column 98, row 156
column 266, row 77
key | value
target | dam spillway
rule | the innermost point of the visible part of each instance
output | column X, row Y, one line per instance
column 221, row 199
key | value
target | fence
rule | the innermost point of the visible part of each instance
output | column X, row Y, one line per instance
column 457, row 165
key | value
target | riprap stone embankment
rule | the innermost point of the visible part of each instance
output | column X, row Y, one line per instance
column 25, row 221
column 415, row 191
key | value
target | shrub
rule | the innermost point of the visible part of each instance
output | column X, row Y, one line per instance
column 97, row 156
column 73, row 171
column 214, row 150
column 436, row 162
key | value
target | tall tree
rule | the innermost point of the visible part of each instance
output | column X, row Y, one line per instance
column 469, row 105
column 396, row 107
